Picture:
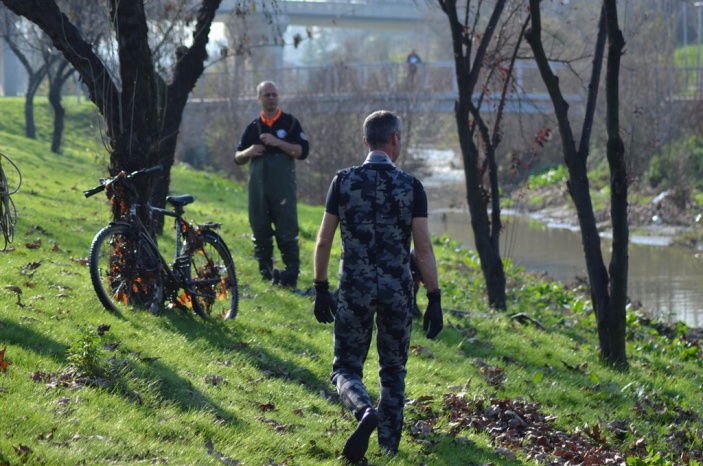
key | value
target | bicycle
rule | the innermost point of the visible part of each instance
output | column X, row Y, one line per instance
column 128, row 270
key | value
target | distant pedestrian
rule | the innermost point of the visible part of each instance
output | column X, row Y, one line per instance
column 272, row 143
column 413, row 60
column 379, row 209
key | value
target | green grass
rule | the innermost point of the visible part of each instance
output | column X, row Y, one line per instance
column 255, row 391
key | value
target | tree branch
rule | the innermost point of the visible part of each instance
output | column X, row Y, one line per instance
column 92, row 71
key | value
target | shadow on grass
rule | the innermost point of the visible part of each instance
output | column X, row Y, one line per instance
column 22, row 335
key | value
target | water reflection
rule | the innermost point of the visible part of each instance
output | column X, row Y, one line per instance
column 666, row 280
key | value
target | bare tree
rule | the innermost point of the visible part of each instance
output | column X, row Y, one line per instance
column 608, row 293
column 41, row 60
column 477, row 73
column 26, row 42
column 142, row 113
column 92, row 21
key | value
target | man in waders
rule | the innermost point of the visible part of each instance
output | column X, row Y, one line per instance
column 272, row 143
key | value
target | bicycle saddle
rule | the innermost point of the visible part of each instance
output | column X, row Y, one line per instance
column 183, row 199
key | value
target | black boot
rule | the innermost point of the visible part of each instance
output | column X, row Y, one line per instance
column 266, row 272
column 288, row 279
column 275, row 277
column 358, row 442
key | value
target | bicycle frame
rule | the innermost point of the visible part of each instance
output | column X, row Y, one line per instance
column 202, row 265
column 177, row 275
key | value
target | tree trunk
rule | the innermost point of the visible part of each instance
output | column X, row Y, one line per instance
column 477, row 198
column 134, row 146
column 56, row 82
column 486, row 233
column 174, row 97
column 59, row 115
column 612, row 331
column 612, row 349
column 34, row 80
column 30, row 130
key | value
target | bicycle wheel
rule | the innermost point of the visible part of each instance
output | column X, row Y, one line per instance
column 125, row 270
column 213, row 284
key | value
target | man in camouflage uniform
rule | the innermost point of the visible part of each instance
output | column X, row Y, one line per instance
column 379, row 209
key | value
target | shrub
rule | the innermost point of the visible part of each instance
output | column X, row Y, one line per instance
column 678, row 164
column 549, row 177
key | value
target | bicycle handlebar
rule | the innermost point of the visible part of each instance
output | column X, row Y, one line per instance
column 94, row 191
column 135, row 174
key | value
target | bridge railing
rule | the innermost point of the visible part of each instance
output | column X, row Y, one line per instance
column 356, row 78
column 429, row 80
column 331, row 80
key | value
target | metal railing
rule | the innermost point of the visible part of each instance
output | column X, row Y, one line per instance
column 348, row 79
column 434, row 81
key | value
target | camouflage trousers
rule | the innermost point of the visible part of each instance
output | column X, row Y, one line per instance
column 352, row 338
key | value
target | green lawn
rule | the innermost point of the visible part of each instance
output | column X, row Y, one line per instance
column 174, row 389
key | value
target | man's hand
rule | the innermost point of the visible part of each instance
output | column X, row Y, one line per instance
column 325, row 306
column 433, row 322
column 270, row 140
column 256, row 150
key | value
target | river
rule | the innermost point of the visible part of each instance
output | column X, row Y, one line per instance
column 668, row 281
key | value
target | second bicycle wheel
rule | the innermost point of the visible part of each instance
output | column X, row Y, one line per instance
column 213, row 277
column 125, row 270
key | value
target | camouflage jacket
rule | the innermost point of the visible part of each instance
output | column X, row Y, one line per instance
column 376, row 203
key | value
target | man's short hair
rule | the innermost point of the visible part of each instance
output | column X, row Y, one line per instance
column 261, row 86
column 379, row 128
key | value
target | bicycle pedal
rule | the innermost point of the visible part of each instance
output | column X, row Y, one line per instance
column 181, row 263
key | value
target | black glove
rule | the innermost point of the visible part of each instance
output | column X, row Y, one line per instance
column 433, row 314
column 325, row 306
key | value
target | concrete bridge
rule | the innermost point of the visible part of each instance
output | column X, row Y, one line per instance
column 365, row 14
column 259, row 26
column 359, row 88
column 269, row 21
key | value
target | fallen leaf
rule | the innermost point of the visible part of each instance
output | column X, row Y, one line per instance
column 422, row 351
column 3, row 363
column 267, row 407
column 506, row 453
column 215, row 380
column 22, row 450
column 36, row 244
column 27, row 269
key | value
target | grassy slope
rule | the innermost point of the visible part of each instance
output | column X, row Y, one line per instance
column 183, row 391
